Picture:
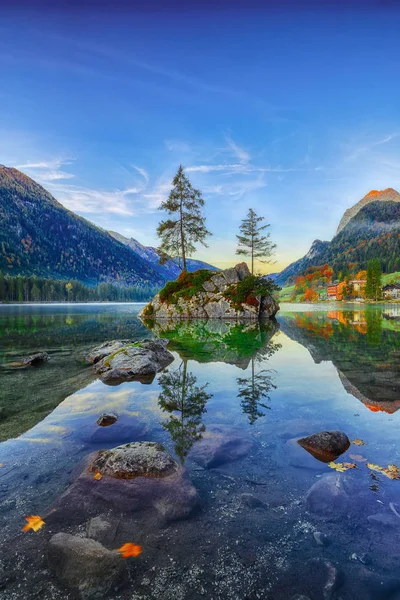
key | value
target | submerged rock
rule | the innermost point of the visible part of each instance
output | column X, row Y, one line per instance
column 251, row 501
column 103, row 528
column 214, row 298
column 105, row 420
column 85, row 565
column 384, row 520
column 325, row 446
column 35, row 360
column 137, row 459
column 220, row 444
column 139, row 476
column 327, row 498
column 321, row 538
column 118, row 361
column 332, row 575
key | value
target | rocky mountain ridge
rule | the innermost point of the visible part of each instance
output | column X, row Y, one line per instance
column 387, row 195
column 365, row 231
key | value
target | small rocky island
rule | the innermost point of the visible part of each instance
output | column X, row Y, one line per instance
column 230, row 294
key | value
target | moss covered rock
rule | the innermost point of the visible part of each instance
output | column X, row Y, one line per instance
column 230, row 294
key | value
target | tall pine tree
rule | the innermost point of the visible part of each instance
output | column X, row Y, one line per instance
column 373, row 288
column 186, row 225
column 252, row 242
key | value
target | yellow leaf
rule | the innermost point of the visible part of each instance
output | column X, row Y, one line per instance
column 358, row 443
column 128, row 550
column 34, row 522
column 391, row 471
column 342, row 467
column 97, row 476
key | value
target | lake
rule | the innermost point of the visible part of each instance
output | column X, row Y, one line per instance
column 272, row 521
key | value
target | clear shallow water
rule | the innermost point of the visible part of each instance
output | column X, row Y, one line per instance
column 320, row 369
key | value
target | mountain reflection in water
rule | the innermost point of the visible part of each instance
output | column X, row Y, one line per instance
column 363, row 346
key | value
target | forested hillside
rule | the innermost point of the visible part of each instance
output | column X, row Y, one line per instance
column 373, row 232
column 39, row 236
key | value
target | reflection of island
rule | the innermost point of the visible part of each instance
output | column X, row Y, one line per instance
column 186, row 403
column 364, row 348
column 238, row 343
column 231, row 342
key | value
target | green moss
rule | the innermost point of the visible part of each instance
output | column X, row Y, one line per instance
column 247, row 291
column 148, row 310
column 186, row 286
column 123, row 350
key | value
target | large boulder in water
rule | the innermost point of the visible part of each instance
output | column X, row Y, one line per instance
column 326, row 446
column 204, row 294
column 105, row 349
column 117, row 361
column 85, row 565
column 140, row 476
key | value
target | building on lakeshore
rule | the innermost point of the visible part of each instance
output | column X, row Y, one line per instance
column 391, row 291
column 331, row 292
column 356, row 286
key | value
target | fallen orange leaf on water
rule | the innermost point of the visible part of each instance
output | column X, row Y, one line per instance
column 97, row 476
column 358, row 443
column 128, row 550
column 342, row 467
column 391, row 471
column 34, row 522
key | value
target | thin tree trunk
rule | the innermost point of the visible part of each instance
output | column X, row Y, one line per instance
column 182, row 239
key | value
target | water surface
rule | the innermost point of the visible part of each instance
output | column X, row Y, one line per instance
column 313, row 370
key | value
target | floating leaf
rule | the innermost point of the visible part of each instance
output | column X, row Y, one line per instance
column 34, row 522
column 391, row 471
column 97, row 476
column 374, row 487
column 128, row 550
column 342, row 467
column 358, row 457
column 358, row 443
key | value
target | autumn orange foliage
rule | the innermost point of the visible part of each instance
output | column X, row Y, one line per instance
column 129, row 549
column 34, row 522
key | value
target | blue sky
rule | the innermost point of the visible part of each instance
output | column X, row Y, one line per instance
column 294, row 113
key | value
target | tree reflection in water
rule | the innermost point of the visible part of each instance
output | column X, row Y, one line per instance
column 181, row 395
column 256, row 388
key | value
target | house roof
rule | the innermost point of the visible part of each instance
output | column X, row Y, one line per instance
column 391, row 286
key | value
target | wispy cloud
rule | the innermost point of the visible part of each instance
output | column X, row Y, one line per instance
column 47, row 170
column 239, row 152
column 143, row 173
column 177, row 146
column 85, row 200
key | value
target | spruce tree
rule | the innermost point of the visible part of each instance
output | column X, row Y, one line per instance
column 373, row 288
column 186, row 225
column 252, row 242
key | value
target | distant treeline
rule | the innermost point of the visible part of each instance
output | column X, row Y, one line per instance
column 37, row 289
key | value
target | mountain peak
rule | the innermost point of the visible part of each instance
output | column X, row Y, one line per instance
column 386, row 195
